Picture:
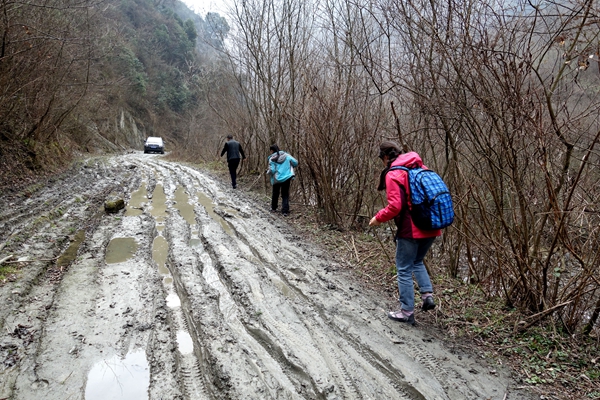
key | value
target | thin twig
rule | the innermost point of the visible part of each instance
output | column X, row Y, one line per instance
column 355, row 251
column 28, row 261
column 537, row 317
column 6, row 259
column 254, row 183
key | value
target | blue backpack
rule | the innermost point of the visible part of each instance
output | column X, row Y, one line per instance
column 430, row 201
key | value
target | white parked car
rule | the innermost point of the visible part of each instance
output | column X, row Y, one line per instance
column 154, row 145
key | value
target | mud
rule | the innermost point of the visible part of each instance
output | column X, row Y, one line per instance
column 195, row 291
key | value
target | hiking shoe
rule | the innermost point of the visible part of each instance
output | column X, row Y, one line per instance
column 428, row 304
column 401, row 317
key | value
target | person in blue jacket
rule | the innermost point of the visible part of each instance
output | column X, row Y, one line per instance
column 281, row 170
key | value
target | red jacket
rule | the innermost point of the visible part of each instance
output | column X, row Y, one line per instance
column 398, row 193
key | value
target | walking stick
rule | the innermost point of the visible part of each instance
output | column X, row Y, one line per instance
column 253, row 183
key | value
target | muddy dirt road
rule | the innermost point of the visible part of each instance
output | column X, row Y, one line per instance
column 195, row 291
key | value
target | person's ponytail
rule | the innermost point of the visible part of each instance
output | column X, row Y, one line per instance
column 392, row 150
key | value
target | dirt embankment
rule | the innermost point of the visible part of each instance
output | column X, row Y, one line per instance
column 194, row 291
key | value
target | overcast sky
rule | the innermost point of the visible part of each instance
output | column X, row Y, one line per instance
column 201, row 7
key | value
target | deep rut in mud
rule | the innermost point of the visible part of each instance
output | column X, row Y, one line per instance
column 195, row 291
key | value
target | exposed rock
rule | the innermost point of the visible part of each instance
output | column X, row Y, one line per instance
column 113, row 204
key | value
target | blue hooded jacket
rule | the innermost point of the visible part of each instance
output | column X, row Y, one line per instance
column 280, row 167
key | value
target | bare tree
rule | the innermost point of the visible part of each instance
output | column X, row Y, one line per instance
column 499, row 98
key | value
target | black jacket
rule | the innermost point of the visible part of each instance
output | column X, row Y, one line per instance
column 233, row 150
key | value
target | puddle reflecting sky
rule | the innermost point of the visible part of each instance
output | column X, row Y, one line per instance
column 185, row 343
column 173, row 300
column 119, row 379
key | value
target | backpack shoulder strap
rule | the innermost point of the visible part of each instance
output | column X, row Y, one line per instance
column 406, row 190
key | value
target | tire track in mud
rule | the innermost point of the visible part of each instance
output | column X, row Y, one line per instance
column 43, row 225
column 213, row 278
column 336, row 348
column 343, row 343
column 39, row 203
column 220, row 299
column 190, row 373
column 420, row 355
column 50, row 304
column 348, row 386
column 271, row 348
column 334, row 360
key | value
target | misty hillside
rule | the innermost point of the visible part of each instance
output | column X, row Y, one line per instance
column 100, row 76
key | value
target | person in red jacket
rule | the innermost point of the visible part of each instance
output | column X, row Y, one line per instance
column 412, row 243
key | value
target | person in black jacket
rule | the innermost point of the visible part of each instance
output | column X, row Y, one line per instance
column 234, row 152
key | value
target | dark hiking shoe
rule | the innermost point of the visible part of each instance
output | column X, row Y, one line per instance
column 401, row 317
column 428, row 304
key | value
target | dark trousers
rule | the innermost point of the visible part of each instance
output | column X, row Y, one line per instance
column 233, row 164
column 284, row 189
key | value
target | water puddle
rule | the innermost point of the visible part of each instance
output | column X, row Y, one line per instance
column 138, row 198
column 195, row 241
column 185, row 343
column 67, row 257
column 159, row 204
column 120, row 250
column 119, row 379
column 160, row 250
column 210, row 209
column 185, row 208
column 173, row 300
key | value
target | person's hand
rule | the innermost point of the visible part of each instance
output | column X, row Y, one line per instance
column 374, row 222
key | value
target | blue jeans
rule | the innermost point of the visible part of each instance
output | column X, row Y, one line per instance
column 409, row 260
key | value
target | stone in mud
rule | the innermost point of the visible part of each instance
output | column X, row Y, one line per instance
column 113, row 204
